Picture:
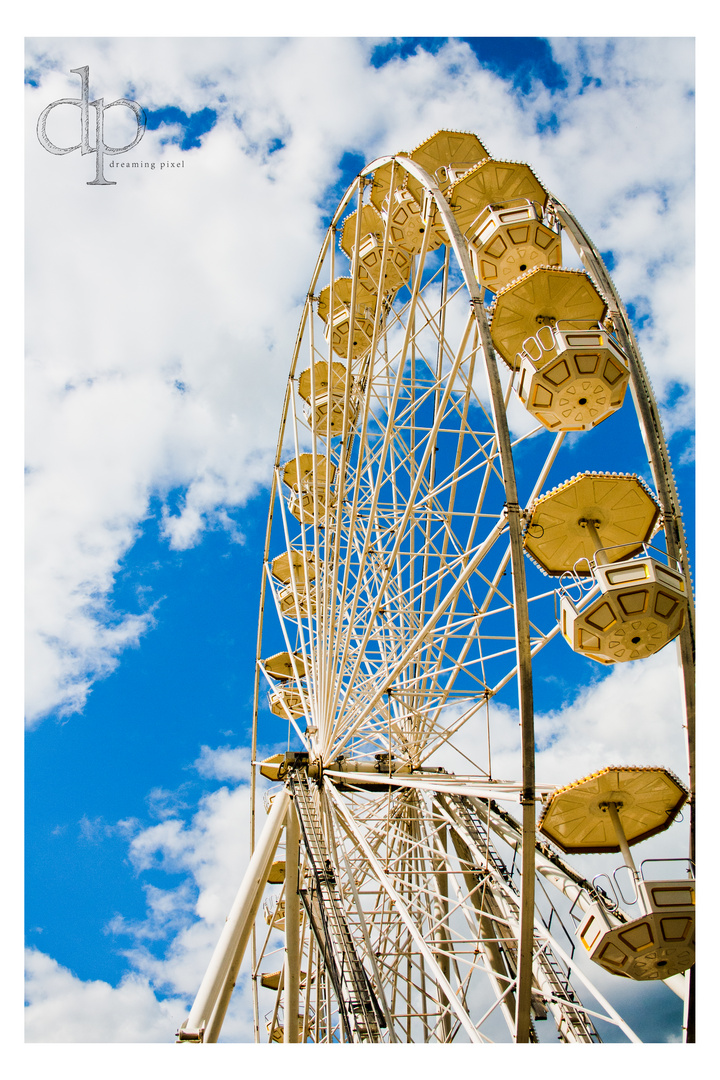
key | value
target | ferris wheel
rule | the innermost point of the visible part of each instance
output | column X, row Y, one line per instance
column 427, row 548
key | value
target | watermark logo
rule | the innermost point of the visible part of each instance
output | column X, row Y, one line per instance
column 100, row 149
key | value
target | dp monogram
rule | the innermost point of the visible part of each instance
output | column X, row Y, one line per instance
column 100, row 148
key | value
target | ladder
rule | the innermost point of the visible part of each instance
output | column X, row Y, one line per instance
column 359, row 1007
column 551, row 978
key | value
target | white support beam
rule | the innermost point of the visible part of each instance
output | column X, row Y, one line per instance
column 216, row 987
column 292, row 928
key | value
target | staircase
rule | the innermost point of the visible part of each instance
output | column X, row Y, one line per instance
column 359, row 1007
column 552, row 982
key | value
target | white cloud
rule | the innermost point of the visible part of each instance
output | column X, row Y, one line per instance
column 167, row 911
column 224, row 763
column 61, row 1008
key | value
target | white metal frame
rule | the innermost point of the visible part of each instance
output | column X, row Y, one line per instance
column 423, row 616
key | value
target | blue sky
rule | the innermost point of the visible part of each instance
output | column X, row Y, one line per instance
column 152, row 419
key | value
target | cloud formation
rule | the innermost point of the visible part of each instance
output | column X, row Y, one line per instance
column 64, row 1009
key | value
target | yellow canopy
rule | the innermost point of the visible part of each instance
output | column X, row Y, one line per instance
column 319, row 373
column 493, row 182
column 371, row 222
column 280, row 666
column 543, row 296
column 365, row 297
column 647, row 800
column 459, row 149
column 280, row 566
column 297, row 469
column 621, row 508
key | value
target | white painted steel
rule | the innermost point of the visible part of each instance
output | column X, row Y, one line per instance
column 422, row 619
column 406, row 917
column 230, row 948
column 292, row 928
